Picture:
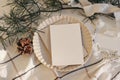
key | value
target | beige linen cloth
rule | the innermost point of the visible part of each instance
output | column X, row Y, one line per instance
column 27, row 67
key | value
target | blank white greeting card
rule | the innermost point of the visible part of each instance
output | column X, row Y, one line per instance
column 66, row 44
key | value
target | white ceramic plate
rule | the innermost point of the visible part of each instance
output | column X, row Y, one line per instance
column 41, row 42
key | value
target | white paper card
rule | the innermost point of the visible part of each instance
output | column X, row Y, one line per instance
column 66, row 44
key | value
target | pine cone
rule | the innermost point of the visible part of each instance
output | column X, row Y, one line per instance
column 25, row 46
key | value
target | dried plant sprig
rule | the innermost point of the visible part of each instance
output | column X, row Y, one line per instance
column 20, row 20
